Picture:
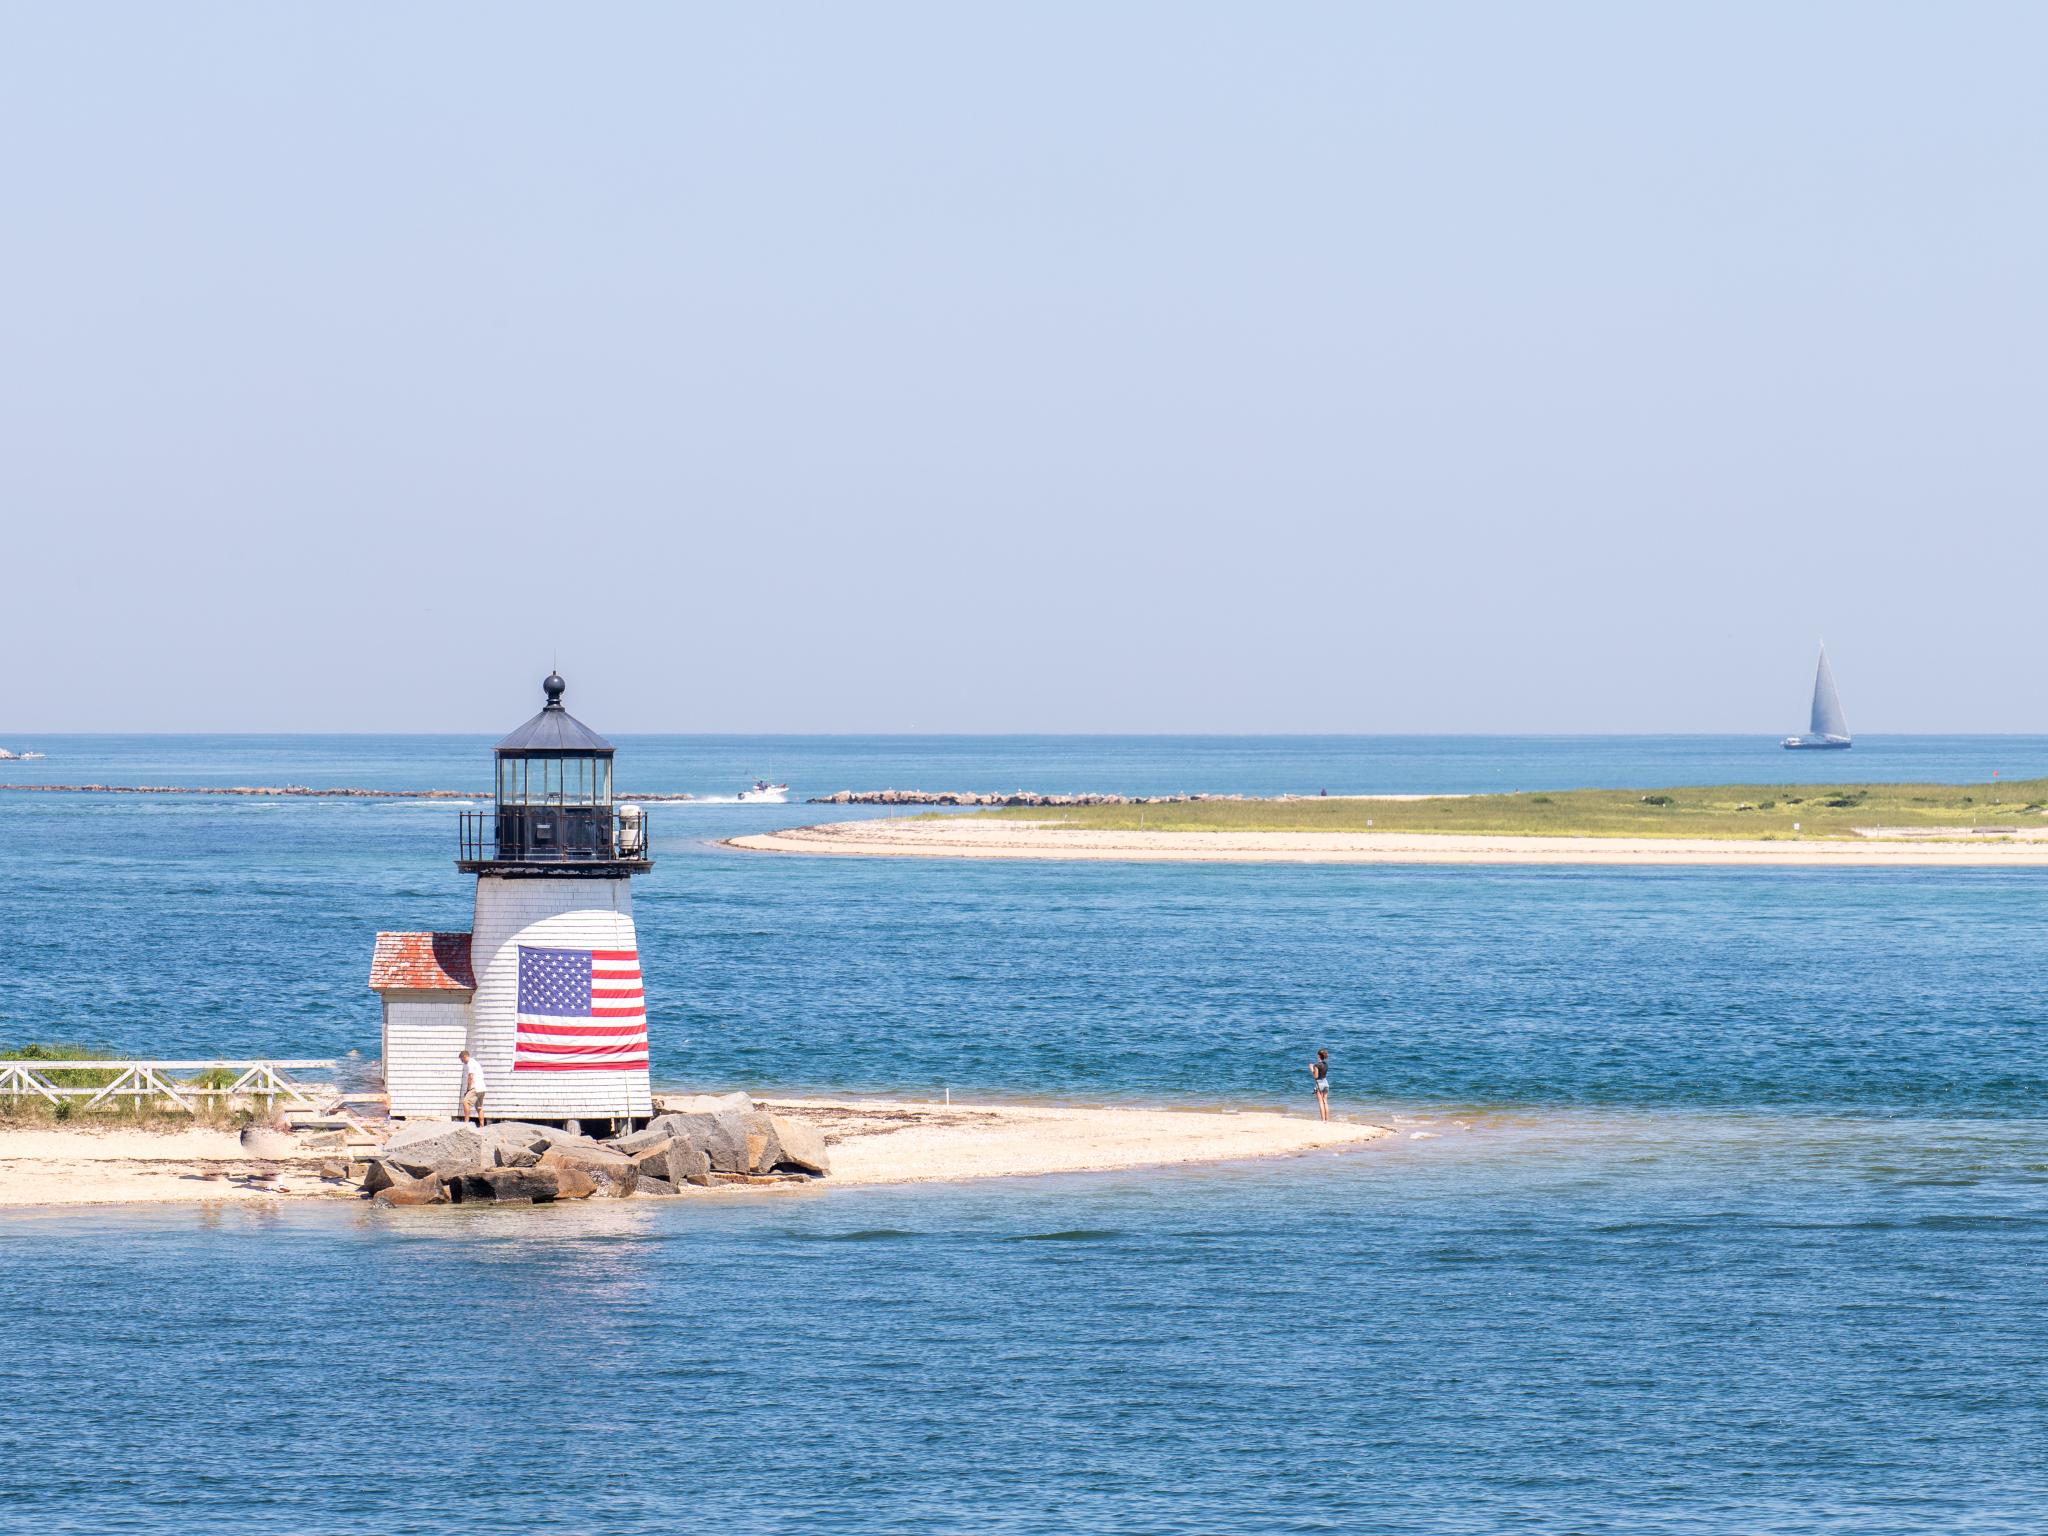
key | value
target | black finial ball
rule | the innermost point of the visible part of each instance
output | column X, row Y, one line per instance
column 554, row 687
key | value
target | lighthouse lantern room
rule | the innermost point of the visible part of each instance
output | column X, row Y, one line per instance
column 545, row 991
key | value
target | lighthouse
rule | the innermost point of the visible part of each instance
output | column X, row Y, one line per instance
column 545, row 990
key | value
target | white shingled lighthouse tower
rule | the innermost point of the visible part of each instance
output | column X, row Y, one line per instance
column 554, row 1008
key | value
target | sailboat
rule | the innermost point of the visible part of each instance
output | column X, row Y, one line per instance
column 1829, row 728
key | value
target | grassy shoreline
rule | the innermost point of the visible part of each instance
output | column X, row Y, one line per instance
column 1796, row 812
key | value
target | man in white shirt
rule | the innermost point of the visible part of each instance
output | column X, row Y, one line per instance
column 472, row 1088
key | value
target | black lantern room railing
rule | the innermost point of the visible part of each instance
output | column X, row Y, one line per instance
column 554, row 836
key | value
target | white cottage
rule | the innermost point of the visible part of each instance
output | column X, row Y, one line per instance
column 546, row 990
column 425, row 984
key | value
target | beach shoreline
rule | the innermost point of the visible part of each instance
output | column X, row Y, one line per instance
column 966, row 837
column 872, row 1142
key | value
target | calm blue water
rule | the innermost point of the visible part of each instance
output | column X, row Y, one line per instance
column 1720, row 1201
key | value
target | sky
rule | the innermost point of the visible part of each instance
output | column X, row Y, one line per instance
column 1112, row 367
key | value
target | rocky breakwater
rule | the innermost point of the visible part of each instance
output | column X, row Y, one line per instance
column 1022, row 797
column 698, row 1143
column 289, row 792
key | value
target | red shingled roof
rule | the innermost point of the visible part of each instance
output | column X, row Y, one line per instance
column 422, row 962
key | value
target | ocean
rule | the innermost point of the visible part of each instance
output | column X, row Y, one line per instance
column 1718, row 1200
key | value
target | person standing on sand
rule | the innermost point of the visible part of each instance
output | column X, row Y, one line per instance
column 472, row 1088
column 1319, row 1074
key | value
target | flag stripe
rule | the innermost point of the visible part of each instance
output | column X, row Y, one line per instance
column 580, row 1066
column 526, row 1029
column 625, row 1048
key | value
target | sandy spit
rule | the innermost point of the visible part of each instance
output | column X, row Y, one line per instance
column 872, row 1141
column 130, row 1167
column 959, row 837
column 885, row 1141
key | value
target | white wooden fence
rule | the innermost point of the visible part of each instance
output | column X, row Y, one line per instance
column 179, row 1081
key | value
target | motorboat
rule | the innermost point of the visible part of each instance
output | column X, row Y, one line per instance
column 764, row 793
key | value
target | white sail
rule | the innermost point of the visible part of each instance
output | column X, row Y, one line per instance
column 1828, row 719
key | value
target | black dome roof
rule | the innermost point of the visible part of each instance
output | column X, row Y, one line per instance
column 554, row 729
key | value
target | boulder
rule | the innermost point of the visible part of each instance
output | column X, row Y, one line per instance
column 803, row 1146
column 704, row 1103
column 505, row 1184
column 574, row 1184
column 521, row 1131
column 688, row 1164
column 653, row 1161
column 614, row 1172
column 380, row 1175
column 764, row 1147
column 549, row 1137
column 434, row 1148
column 413, row 1192
column 654, row 1136
column 721, row 1137
column 649, row 1185
column 512, row 1143
column 675, row 1162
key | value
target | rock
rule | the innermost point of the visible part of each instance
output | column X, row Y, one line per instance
column 653, row 1161
column 649, row 1185
column 641, row 1141
column 548, row 1137
column 574, row 1184
column 506, row 1184
column 379, row 1175
column 414, row 1192
column 434, row 1148
column 688, row 1164
column 722, row 1138
column 764, row 1147
column 803, row 1145
column 334, row 1172
column 261, row 1141
column 357, row 1172
column 614, row 1172
column 675, row 1162
column 702, row 1104
column 513, row 1144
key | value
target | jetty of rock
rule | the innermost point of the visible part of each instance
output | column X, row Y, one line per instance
column 704, row 1141
column 1017, row 797
column 285, row 791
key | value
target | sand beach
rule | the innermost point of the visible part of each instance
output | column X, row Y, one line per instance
column 973, row 837
column 872, row 1141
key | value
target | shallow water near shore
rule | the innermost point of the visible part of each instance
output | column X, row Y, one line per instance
column 1719, row 1199
column 1600, row 1322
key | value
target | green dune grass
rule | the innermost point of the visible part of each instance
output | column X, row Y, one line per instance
column 1796, row 811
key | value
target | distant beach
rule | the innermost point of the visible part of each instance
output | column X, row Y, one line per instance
column 974, row 837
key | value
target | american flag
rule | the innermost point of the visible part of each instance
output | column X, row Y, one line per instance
column 580, row 1010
